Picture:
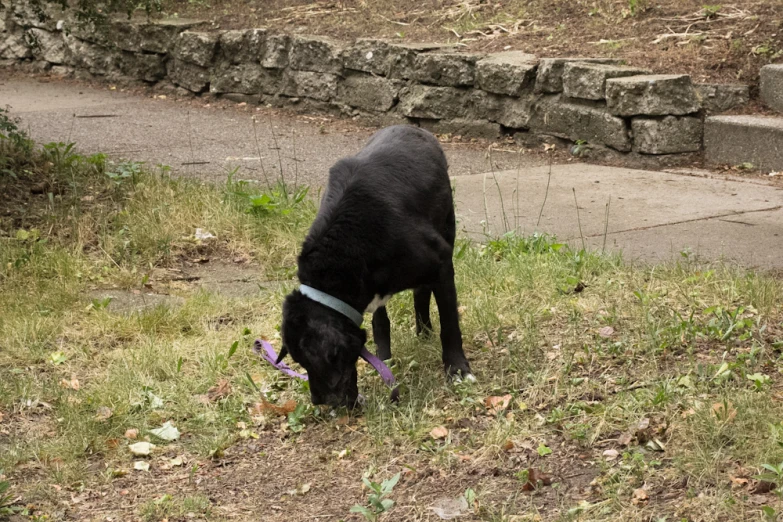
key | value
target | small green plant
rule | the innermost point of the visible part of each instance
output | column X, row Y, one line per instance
column 99, row 304
column 296, row 417
column 759, row 380
column 773, row 475
column 711, row 10
column 6, row 498
column 124, row 171
column 17, row 139
column 635, row 7
column 378, row 503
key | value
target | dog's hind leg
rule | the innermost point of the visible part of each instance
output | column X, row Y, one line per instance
column 381, row 332
column 421, row 303
column 454, row 360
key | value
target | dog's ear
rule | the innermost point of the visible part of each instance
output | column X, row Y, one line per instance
column 283, row 353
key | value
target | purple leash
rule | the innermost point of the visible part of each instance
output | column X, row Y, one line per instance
column 265, row 350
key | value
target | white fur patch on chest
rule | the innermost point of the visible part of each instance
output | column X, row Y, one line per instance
column 377, row 302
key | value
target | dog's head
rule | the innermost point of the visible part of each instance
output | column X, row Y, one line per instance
column 327, row 345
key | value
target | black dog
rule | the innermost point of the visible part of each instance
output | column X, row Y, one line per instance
column 386, row 224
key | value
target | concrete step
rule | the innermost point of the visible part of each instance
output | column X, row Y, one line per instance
column 772, row 86
column 734, row 140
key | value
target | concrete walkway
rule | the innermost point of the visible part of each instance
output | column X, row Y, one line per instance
column 652, row 216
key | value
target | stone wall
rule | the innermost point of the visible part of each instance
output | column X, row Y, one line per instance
column 598, row 103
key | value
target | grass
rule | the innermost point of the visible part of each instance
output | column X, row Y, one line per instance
column 673, row 367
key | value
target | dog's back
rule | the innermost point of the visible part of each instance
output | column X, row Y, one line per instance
column 398, row 180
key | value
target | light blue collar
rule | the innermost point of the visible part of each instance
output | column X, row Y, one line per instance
column 333, row 303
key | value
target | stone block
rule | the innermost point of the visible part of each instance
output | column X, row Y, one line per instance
column 510, row 111
column 13, row 46
column 250, row 99
column 316, row 54
column 550, row 72
column 652, row 95
column 242, row 46
column 447, row 69
column 588, row 80
column 93, row 58
column 403, row 58
column 188, row 75
column 40, row 15
column 149, row 37
column 772, row 86
column 47, row 46
column 309, row 84
column 511, row 72
column 734, row 140
column 277, row 49
column 370, row 56
column 148, row 67
column 669, row 135
column 195, row 48
column 424, row 101
column 591, row 123
column 62, row 71
column 245, row 78
column 718, row 97
column 368, row 93
column 385, row 57
column 514, row 113
column 465, row 128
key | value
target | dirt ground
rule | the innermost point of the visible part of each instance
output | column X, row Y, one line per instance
column 720, row 43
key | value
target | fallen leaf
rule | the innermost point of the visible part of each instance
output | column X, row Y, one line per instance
column 267, row 407
column 439, row 433
column 606, row 332
column 611, row 454
column 497, row 404
column 220, row 391
column 300, row 491
column 176, row 461
column 103, row 413
column 342, row 454
column 625, row 439
column 141, row 465
column 543, row 450
column 202, row 234
column 639, row 496
column 154, row 401
column 508, row 445
column 724, row 412
column 70, row 384
column 738, row 481
column 112, row 443
column 535, row 479
column 131, row 433
column 687, row 413
column 166, row 432
column 141, row 449
column 549, row 146
column 448, row 508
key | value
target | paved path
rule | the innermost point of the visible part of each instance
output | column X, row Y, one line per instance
column 652, row 215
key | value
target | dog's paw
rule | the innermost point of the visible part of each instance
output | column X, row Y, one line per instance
column 459, row 378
